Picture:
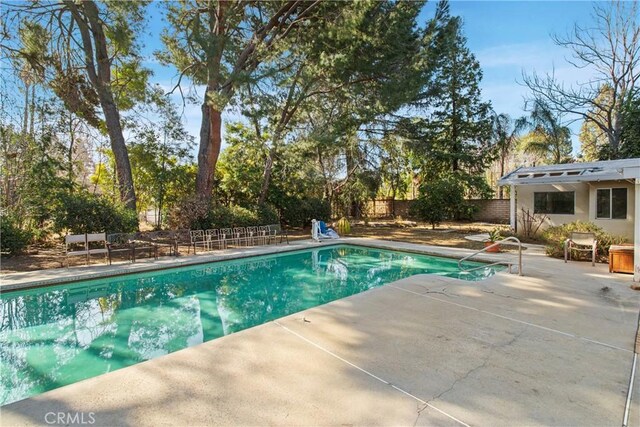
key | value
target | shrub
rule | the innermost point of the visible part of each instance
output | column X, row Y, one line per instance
column 193, row 213
column 86, row 213
column 441, row 200
column 555, row 237
column 299, row 212
column 13, row 240
column 190, row 212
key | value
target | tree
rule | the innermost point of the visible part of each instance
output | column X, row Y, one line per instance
column 455, row 136
column 593, row 142
column 220, row 44
column 364, row 57
column 547, row 138
column 630, row 141
column 160, row 159
column 92, row 51
column 439, row 200
column 612, row 50
column 505, row 134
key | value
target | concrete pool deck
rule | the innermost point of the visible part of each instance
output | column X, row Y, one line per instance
column 554, row 347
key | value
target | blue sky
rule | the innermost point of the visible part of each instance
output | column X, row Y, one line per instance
column 507, row 37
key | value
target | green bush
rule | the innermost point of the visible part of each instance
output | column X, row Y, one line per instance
column 13, row 240
column 298, row 212
column 193, row 213
column 86, row 213
column 441, row 200
column 555, row 237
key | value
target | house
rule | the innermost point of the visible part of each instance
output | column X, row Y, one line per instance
column 606, row 193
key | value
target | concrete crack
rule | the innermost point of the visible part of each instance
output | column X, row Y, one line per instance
column 500, row 295
column 480, row 366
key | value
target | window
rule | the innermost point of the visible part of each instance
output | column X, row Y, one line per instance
column 558, row 202
column 611, row 203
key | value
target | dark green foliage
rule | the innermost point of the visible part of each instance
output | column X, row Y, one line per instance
column 87, row 213
column 13, row 240
column 630, row 140
column 298, row 212
column 454, row 135
column 555, row 237
column 194, row 213
column 441, row 200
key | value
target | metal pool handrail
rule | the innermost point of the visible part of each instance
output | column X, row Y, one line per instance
column 508, row 263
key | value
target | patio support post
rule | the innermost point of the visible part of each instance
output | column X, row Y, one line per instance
column 512, row 207
column 636, row 234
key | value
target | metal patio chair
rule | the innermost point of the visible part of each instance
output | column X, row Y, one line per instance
column 581, row 242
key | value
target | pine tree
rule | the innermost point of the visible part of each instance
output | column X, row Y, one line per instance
column 454, row 136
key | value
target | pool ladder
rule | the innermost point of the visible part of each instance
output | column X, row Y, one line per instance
column 508, row 263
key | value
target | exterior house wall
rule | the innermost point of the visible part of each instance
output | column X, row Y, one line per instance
column 585, row 205
column 622, row 227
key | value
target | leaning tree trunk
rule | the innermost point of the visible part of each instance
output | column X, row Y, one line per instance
column 86, row 15
column 210, row 142
column 266, row 176
column 119, row 148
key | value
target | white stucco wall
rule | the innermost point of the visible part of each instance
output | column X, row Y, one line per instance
column 585, row 205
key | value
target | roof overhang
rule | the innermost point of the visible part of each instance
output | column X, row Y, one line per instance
column 611, row 170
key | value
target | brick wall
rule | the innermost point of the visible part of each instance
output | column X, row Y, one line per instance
column 491, row 210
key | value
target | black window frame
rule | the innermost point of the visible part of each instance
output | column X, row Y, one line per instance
column 549, row 209
column 611, row 203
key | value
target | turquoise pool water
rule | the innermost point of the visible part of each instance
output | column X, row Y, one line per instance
column 54, row 336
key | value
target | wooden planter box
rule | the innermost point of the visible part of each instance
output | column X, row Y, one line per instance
column 621, row 259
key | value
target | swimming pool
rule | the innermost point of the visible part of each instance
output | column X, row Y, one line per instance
column 58, row 335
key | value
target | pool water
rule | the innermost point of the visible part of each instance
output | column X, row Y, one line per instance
column 54, row 336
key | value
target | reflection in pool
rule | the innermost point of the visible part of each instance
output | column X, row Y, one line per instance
column 54, row 336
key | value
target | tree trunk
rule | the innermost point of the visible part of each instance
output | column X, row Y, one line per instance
column 25, row 123
column 86, row 15
column 266, row 176
column 209, row 150
column 500, row 189
column 119, row 148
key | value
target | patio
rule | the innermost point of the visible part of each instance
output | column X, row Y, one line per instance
column 552, row 348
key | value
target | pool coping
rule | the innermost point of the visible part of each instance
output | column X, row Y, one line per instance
column 59, row 276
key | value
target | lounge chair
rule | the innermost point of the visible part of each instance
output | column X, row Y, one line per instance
column 319, row 231
column 582, row 242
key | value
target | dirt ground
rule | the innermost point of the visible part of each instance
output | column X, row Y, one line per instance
column 450, row 234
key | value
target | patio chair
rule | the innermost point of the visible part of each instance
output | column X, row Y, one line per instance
column 276, row 230
column 226, row 236
column 120, row 243
column 96, row 245
column 239, row 235
column 76, row 245
column 198, row 238
column 582, row 242
column 251, row 235
column 214, row 237
column 263, row 233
